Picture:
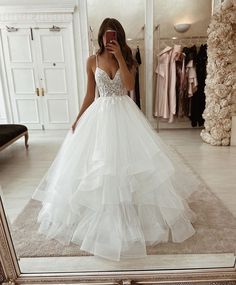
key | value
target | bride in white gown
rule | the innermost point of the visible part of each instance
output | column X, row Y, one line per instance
column 112, row 188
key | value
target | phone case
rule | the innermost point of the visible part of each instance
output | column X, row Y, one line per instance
column 110, row 35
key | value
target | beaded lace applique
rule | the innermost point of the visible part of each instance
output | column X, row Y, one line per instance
column 107, row 86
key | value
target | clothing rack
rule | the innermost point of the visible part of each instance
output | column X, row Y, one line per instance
column 194, row 40
column 138, row 39
column 135, row 43
column 173, row 39
column 157, row 28
column 184, row 38
column 128, row 39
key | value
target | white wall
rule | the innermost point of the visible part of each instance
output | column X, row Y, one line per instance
column 36, row 2
column 170, row 12
column 131, row 14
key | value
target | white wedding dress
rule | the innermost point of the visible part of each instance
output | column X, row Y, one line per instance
column 112, row 188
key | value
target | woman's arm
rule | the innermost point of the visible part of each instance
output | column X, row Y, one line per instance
column 90, row 94
column 127, row 76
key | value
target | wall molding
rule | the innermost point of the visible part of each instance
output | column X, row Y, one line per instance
column 36, row 13
column 19, row 9
column 35, row 18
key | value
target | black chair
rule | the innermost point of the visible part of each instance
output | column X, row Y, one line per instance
column 9, row 133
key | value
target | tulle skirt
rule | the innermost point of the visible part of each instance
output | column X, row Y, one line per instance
column 112, row 188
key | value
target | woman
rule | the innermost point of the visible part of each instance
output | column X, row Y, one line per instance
column 112, row 188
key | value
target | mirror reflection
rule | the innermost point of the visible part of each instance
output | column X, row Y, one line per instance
column 99, row 186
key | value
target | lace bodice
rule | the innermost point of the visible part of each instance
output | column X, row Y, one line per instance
column 107, row 86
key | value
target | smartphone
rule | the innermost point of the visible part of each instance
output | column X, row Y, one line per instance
column 110, row 35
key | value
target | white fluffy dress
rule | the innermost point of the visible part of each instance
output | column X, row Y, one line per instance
column 112, row 188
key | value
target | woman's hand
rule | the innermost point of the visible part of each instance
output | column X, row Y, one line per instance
column 114, row 48
column 127, row 76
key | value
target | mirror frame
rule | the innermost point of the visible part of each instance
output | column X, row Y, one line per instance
column 10, row 272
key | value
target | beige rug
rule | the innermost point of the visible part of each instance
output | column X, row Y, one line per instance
column 215, row 232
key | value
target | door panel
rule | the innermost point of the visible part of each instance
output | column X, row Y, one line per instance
column 31, row 116
column 56, row 76
column 55, row 80
column 20, row 47
column 58, row 111
column 22, row 77
column 23, row 80
column 51, row 44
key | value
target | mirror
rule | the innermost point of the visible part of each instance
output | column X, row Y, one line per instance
column 210, row 248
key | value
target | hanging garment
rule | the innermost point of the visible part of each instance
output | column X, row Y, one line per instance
column 192, row 78
column 191, row 55
column 161, row 99
column 191, row 85
column 135, row 94
column 172, row 81
column 180, row 78
column 137, row 87
column 198, row 99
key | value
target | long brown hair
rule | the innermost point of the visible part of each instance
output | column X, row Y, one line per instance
column 113, row 24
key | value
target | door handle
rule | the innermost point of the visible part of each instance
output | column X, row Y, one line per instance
column 42, row 91
column 37, row 91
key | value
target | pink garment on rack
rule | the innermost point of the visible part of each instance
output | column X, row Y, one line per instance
column 172, row 81
column 161, row 102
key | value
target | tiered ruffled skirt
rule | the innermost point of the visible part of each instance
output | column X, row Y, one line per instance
column 112, row 188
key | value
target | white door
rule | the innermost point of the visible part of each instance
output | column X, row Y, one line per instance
column 56, row 77
column 21, row 66
column 42, row 79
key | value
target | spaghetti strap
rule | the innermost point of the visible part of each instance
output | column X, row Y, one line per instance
column 96, row 60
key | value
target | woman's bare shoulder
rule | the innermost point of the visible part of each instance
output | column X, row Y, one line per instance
column 91, row 62
column 91, row 59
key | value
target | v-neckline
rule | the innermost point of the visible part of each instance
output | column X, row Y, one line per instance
column 108, row 74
